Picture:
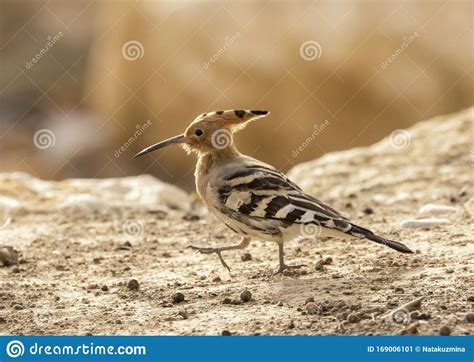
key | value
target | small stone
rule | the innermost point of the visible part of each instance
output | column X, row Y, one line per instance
column 133, row 284
column 8, row 256
column 246, row 257
column 124, row 246
column 104, row 288
column 450, row 270
column 178, row 297
column 470, row 317
column 470, row 298
column 191, row 217
column 16, row 270
column 227, row 301
column 183, row 314
column 226, row 333
column 280, row 304
column 399, row 290
column 352, row 318
column 445, row 331
column 320, row 264
column 368, row 211
column 217, row 279
column 410, row 330
column 2, row 320
column 291, row 325
column 18, row 307
column 236, row 302
column 311, row 307
column 246, row 296
column 309, row 300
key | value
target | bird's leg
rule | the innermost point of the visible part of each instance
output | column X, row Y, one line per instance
column 243, row 244
column 283, row 266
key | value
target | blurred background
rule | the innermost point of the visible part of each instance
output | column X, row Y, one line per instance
column 84, row 85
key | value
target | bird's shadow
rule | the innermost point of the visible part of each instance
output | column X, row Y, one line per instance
column 348, row 286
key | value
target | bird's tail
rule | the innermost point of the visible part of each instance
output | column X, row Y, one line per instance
column 361, row 232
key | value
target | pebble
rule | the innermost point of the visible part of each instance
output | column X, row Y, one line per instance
column 470, row 298
column 133, row 284
column 352, row 318
column 320, row 264
column 422, row 223
column 246, row 296
column 246, row 257
column 470, row 317
column 8, row 256
column 309, row 300
column 183, row 314
column 436, row 209
column 445, row 331
column 178, row 297
column 3, row 320
column 191, row 217
column 368, row 211
column 227, row 301
column 226, row 333
column 18, row 307
column 105, row 288
column 410, row 330
column 310, row 307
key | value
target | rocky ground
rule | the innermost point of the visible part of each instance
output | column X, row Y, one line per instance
column 111, row 257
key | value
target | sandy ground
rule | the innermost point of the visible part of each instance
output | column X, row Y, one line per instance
column 77, row 257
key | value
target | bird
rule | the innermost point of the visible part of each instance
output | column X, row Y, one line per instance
column 252, row 198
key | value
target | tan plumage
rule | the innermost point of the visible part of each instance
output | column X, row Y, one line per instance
column 252, row 198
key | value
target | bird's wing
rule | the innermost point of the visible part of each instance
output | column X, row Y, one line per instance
column 257, row 192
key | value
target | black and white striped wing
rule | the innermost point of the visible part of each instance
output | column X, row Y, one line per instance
column 253, row 194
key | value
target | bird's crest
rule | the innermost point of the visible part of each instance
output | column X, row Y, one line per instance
column 234, row 119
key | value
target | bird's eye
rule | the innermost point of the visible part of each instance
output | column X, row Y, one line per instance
column 198, row 132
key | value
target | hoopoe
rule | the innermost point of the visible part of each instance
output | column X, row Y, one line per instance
column 252, row 198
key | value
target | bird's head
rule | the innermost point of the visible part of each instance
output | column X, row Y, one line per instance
column 210, row 132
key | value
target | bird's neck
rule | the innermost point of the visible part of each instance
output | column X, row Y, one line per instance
column 215, row 158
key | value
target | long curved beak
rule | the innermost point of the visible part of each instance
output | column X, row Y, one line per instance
column 170, row 141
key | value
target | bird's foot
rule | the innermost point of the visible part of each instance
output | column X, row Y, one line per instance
column 284, row 267
column 218, row 251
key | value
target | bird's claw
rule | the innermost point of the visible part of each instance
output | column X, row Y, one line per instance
column 218, row 251
column 284, row 267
